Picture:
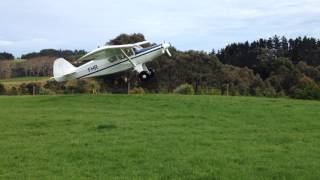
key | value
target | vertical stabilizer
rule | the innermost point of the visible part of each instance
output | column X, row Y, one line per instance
column 61, row 68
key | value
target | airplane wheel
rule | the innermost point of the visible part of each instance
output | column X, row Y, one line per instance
column 144, row 76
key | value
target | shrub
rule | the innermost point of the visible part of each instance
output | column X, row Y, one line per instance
column 258, row 91
column 23, row 89
column 44, row 91
column 57, row 87
column 184, row 89
column 74, row 86
column 87, row 86
column 13, row 91
column 33, row 87
column 71, row 87
column 305, row 89
column 2, row 89
column 269, row 92
column 28, row 89
column 307, row 93
column 93, row 86
column 137, row 90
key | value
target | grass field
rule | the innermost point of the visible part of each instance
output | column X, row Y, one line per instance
column 158, row 137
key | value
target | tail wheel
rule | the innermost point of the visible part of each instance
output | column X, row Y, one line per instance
column 144, row 76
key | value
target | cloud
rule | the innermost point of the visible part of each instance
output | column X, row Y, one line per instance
column 190, row 24
column 6, row 43
column 27, row 45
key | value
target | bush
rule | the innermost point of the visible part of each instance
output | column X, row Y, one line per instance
column 87, row 86
column 138, row 90
column 307, row 93
column 258, row 91
column 2, row 89
column 13, row 91
column 22, row 89
column 44, row 91
column 82, row 86
column 57, row 87
column 184, row 89
column 269, row 92
column 74, row 86
column 305, row 89
column 27, row 89
column 94, row 86
column 71, row 87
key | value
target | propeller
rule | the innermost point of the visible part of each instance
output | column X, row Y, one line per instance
column 168, row 52
column 165, row 49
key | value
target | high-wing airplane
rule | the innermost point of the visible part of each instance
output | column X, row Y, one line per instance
column 111, row 59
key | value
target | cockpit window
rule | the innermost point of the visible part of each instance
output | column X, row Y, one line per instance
column 121, row 56
column 128, row 52
column 137, row 49
column 113, row 59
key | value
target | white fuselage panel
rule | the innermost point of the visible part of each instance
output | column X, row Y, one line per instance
column 104, row 66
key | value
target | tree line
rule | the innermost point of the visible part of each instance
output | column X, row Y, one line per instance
column 276, row 66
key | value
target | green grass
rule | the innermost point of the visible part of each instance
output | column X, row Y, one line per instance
column 158, row 137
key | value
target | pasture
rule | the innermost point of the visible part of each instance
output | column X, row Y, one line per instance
column 158, row 137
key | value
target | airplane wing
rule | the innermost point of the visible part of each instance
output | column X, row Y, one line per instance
column 108, row 51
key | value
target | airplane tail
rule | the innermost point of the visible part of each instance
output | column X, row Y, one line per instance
column 62, row 68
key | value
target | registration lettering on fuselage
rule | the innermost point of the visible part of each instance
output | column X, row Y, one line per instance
column 93, row 68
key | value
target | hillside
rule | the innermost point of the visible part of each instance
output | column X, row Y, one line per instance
column 158, row 136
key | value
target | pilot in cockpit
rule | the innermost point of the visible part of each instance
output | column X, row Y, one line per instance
column 137, row 49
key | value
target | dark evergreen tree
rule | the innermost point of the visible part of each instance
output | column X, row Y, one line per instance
column 6, row 56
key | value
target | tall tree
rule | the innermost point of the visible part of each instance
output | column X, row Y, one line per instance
column 126, row 39
column 6, row 56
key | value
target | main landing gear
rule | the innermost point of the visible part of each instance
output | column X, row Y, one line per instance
column 146, row 75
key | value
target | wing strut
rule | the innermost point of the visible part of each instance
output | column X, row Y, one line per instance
column 130, row 60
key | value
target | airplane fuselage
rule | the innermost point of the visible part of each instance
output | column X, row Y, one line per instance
column 103, row 66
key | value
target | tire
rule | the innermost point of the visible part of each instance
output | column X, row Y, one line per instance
column 144, row 76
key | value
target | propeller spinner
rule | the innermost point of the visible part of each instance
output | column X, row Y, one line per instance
column 166, row 47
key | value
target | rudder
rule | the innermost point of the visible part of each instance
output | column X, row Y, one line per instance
column 62, row 67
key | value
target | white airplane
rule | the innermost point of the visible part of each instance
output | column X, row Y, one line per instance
column 111, row 59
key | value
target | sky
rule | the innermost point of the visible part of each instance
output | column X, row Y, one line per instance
column 32, row 25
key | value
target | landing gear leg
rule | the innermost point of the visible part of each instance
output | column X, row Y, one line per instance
column 145, row 74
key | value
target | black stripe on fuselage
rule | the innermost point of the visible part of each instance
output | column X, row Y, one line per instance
column 143, row 53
